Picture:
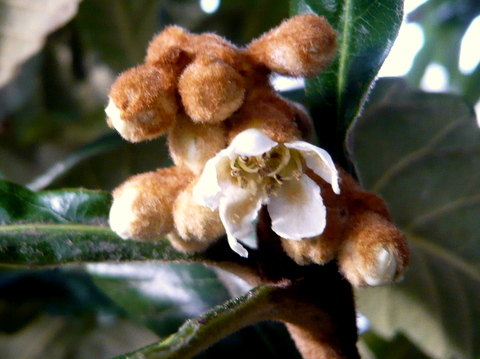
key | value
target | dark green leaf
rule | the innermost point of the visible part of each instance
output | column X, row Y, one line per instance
column 199, row 333
column 161, row 295
column 397, row 348
column 65, row 226
column 60, row 337
column 365, row 32
column 421, row 152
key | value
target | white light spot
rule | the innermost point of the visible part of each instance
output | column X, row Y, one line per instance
column 469, row 50
column 410, row 39
column 363, row 324
column 477, row 112
column 209, row 6
column 283, row 83
column 435, row 78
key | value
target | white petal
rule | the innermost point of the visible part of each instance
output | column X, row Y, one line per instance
column 236, row 247
column 207, row 192
column 213, row 181
column 297, row 210
column 319, row 161
column 252, row 142
column 238, row 209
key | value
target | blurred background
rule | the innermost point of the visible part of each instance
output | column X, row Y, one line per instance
column 58, row 59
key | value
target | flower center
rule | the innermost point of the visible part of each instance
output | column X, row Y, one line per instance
column 269, row 170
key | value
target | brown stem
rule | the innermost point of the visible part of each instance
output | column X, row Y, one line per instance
column 319, row 313
column 315, row 302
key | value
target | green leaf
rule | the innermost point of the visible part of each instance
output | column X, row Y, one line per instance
column 18, row 42
column 199, row 333
column 398, row 348
column 66, row 226
column 160, row 295
column 421, row 152
column 365, row 33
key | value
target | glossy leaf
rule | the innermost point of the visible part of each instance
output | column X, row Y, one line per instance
column 66, row 226
column 365, row 32
column 421, row 152
column 24, row 26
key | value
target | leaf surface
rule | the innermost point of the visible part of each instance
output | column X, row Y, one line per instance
column 160, row 295
column 67, row 226
column 421, row 152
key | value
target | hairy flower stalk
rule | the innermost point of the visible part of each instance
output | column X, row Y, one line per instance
column 255, row 171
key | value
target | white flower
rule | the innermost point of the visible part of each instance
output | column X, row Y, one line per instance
column 255, row 171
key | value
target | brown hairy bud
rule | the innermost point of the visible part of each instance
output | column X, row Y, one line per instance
column 195, row 223
column 167, row 47
column 211, row 90
column 301, row 46
column 269, row 113
column 142, row 206
column 142, row 103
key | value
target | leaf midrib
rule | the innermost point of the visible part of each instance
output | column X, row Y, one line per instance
column 344, row 52
column 78, row 227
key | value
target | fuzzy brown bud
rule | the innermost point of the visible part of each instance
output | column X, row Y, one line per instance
column 301, row 46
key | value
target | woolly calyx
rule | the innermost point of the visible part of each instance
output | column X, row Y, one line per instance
column 302, row 46
column 255, row 171
column 269, row 113
column 142, row 103
column 196, row 226
column 375, row 251
column 193, row 144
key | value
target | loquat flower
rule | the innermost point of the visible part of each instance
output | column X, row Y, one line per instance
column 254, row 171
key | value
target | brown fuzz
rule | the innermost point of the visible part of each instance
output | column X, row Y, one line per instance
column 146, row 102
column 152, row 197
column 195, row 222
column 211, row 90
column 369, row 248
column 302, row 46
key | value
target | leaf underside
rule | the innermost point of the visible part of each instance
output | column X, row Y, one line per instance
column 421, row 152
